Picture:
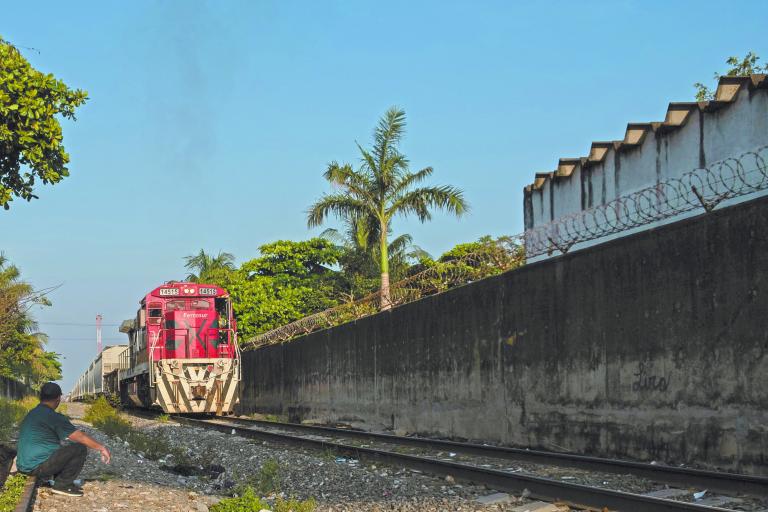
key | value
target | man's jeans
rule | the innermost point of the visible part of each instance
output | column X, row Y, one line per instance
column 63, row 465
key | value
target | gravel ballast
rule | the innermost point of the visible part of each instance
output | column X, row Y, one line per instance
column 132, row 482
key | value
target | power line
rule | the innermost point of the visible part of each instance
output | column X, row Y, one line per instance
column 83, row 338
column 76, row 324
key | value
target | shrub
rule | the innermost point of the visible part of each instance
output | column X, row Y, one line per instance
column 11, row 492
column 151, row 445
column 114, row 426
column 113, row 399
column 268, row 477
column 29, row 402
column 266, row 481
column 292, row 505
column 98, row 411
column 249, row 502
column 11, row 414
column 163, row 418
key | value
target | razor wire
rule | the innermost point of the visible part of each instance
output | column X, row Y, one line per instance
column 703, row 187
column 498, row 256
column 699, row 188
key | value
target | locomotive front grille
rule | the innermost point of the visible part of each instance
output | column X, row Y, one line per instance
column 196, row 385
column 199, row 392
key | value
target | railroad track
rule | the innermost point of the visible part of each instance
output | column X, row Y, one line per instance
column 577, row 495
column 686, row 477
column 27, row 500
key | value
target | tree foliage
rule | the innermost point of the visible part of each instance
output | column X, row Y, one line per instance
column 381, row 188
column 289, row 280
column 360, row 259
column 31, row 146
column 202, row 264
column 744, row 66
column 469, row 262
column 22, row 346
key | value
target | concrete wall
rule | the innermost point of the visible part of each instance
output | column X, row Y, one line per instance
column 13, row 389
column 653, row 346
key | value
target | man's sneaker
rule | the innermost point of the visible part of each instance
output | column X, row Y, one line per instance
column 70, row 490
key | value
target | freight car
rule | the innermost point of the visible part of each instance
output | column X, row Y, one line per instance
column 101, row 375
column 183, row 355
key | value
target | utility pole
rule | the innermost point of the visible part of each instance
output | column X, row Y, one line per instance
column 98, row 334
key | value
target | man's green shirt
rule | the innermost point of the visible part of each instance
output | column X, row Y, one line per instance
column 41, row 434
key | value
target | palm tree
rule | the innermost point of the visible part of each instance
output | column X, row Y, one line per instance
column 202, row 264
column 382, row 188
column 357, row 237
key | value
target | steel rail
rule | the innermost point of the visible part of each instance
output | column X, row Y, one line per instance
column 687, row 477
column 28, row 495
column 578, row 495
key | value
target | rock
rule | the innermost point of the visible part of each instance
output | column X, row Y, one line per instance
column 537, row 506
column 449, row 479
column 495, row 499
column 201, row 507
column 401, row 432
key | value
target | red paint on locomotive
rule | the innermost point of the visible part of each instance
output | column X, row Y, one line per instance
column 190, row 321
column 183, row 355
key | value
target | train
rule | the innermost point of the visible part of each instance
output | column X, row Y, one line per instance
column 100, row 376
column 182, row 354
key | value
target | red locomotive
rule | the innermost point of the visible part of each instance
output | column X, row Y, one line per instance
column 182, row 352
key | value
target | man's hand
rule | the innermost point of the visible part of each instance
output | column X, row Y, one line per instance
column 81, row 437
column 105, row 455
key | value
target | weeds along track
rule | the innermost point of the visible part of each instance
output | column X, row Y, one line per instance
column 588, row 482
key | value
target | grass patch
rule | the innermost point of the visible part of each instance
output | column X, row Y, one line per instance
column 265, row 481
column 115, row 426
column 106, row 476
column 12, row 491
column 250, row 501
column 329, row 455
column 163, row 418
column 104, row 417
column 11, row 414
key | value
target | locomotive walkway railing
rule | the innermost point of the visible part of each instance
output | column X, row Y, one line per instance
column 700, row 188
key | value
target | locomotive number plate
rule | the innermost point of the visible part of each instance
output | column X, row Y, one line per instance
column 169, row 291
column 207, row 291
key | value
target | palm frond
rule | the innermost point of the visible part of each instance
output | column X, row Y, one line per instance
column 417, row 253
column 203, row 263
column 340, row 205
column 369, row 163
column 400, row 244
column 338, row 174
column 357, row 184
column 388, row 132
column 334, row 236
column 419, row 202
column 409, row 179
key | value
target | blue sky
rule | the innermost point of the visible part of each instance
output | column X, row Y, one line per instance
column 209, row 124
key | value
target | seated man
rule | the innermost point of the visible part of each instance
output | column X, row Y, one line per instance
column 40, row 450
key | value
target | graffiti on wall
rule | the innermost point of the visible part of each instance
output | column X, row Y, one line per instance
column 646, row 380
